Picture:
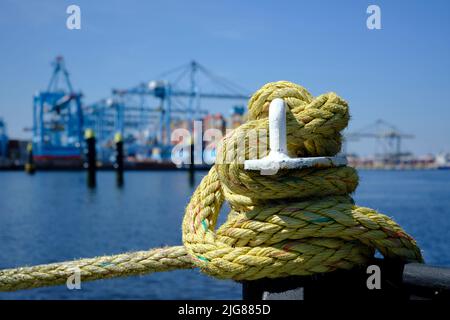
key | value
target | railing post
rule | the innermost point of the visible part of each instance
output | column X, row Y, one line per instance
column 337, row 285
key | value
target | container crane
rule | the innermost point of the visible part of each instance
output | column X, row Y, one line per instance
column 57, row 118
column 388, row 138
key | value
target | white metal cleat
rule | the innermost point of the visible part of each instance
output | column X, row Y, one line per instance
column 278, row 158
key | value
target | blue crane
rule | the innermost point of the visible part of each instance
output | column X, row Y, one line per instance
column 57, row 118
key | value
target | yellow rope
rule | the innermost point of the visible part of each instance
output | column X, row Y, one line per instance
column 297, row 222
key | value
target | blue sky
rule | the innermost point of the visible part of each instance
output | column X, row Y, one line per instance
column 400, row 73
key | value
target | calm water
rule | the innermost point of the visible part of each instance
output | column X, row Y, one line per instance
column 52, row 217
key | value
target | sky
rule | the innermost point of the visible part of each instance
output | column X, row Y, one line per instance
column 400, row 73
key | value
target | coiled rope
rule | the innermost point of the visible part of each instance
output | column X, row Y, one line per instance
column 297, row 222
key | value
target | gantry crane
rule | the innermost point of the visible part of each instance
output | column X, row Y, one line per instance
column 388, row 138
column 57, row 118
column 146, row 111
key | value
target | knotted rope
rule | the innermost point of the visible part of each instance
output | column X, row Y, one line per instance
column 297, row 222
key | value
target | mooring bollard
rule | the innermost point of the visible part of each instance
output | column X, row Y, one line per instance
column 380, row 279
column 294, row 287
column 90, row 158
column 30, row 167
column 118, row 163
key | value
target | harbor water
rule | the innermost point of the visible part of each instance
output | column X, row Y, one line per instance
column 53, row 216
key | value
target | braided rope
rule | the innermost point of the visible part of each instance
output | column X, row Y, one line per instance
column 121, row 265
column 297, row 222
